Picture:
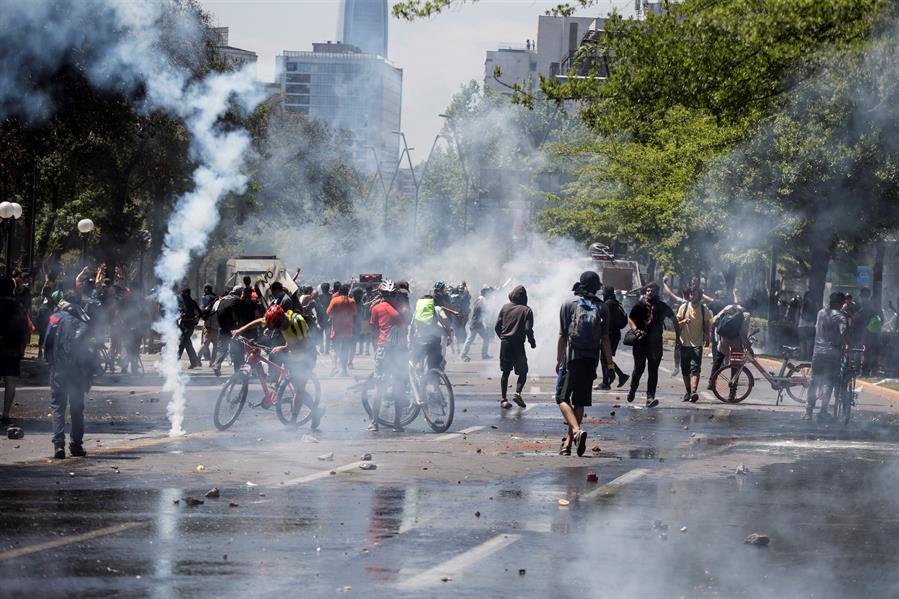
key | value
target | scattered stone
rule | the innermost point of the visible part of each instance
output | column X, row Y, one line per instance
column 249, row 484
column 71, row 475
column 225, row 557
column 596, row 449
column 233, row 504
column 616, row 406
column 493, row 426
column 365, row 457
column 345, row 589
column 522, row 571
column 367, row 466
column 477, row 514
column 213, row 493
column 683, row 529
column 307, row 438
column 592, row 477
column 479, row 450
column 328, row 457
column 193, row 501
column 15, row 432
column 332, row 472
column 757, row 539
column 200, row 468
column 742, row 469
column 445, row 579
column 612, row 413
column 659, row 525
column 132, row 393
column 564, row 502
column 262, row 494
column 177, row 501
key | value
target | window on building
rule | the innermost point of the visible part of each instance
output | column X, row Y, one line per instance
column 297, row 89
column 291, row 66
column 298, row 78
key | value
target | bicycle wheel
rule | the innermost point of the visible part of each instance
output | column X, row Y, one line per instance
column 438, row 401
column 408, row 413
column 230, row 402
column 311, row 391
column 732, row 384
column 802, row 374
column 287, row 403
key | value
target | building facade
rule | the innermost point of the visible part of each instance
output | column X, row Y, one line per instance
column 236, row 57
column 354, row 92
column 363, row 23
column 517, row 65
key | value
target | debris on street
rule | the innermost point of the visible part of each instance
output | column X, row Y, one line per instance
column 592, row 477
column 367, row 466
column 212, row 493
column 15, row 432
column 365, row 457
column 193, row 501
column 757, row 539
column 742, row 469
column 328, row 457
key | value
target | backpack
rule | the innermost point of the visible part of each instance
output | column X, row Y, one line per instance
column 585, row 328
column 875, row 324
column 730, row 324
column 425, row 313
column 617, row 317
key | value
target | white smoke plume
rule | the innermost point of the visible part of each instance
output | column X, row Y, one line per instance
column 119, row 43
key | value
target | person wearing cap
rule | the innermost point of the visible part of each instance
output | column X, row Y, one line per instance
column 583, row 342
column 14, row 332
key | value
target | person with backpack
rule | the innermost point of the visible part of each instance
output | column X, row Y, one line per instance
column 646, row 322
column 732, row 329
column 583, row 341
column 514, row 325
column 617, row 321
column 388, row 321
column 694, row 320
column 68, row 349
column 14, row 333
column 431, row 323
column 477, row 328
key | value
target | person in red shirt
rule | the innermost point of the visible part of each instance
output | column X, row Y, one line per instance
column 342, row 313
column 389, row 318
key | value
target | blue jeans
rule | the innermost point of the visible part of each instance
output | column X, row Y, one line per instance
column 65, row 393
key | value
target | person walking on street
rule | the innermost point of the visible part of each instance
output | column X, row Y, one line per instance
column 583, row 342
column 617, row 321
column 229, row 317
column 188, row 319
column 69, row 352
column 14, row 333
column 476, row 326
column 210, row 340
column 324, row 300
column 514, row 325
column 732, row 330
column 646, row 323
column 831, row 329
column 694, row 321
column 342, row 313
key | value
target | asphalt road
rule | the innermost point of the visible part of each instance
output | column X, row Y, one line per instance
column 475, row 512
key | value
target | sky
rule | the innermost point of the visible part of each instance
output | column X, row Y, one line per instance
column 437, row 55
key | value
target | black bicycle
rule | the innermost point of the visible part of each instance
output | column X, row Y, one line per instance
column 845, row 393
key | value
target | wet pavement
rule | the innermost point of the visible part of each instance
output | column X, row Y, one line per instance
column 476, row 512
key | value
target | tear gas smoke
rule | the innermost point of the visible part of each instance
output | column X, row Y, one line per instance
column 122, row 50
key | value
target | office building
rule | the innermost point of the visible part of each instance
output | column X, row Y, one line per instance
column 363, row 23
column 517, row 64
column 351, row 91
column 237, row 57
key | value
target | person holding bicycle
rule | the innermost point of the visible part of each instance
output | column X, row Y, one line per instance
column 831, row 326
column 291, row 337
column 388, row 319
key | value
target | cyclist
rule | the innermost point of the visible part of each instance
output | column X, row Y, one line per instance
column 431, row 324
column 291, row 336
column 388, row 319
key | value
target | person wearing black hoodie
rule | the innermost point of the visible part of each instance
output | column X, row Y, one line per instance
column 514, row 325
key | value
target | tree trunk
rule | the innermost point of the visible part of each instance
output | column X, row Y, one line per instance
column 877, row 275
column 819, row 260
column 730, row 278
column 772, row 284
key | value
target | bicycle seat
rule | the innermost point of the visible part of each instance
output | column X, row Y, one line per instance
column 789, row 349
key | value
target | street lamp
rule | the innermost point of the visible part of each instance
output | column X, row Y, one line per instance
column 452, row 124
column 85, row 226
column 10, row 212
column 406, row 150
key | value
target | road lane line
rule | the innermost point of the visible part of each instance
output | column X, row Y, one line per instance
column 613, row 486
column 455, row 435
column 323, row 474
column 458, row 564
column 708, row 395
column 100, row 532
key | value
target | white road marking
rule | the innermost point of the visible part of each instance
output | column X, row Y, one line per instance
column 458, row 564
column 823, row 445
column 665, row 369
column 458, row 434
column 613, row 486
column 323, row 474
column 708, row 395
column 100, row 532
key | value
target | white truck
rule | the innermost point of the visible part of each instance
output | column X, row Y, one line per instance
column 262, row 270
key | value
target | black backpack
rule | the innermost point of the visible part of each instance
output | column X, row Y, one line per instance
column 730, row 323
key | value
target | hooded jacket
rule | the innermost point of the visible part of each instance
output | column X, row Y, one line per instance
column 516, row 321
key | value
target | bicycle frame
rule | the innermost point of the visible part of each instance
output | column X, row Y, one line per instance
column 779, row 382
column 254, row 360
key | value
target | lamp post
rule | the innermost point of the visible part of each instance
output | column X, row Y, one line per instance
column 85, row 226
column 452, row 123
column 406, row 150
column 424, row 171
column 10, row 212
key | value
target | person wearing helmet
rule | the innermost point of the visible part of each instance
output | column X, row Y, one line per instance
column 476, row 326
column 441, row 297
column 389, row 319
column 293, row 347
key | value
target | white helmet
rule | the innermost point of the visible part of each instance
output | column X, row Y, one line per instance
column 387, row 286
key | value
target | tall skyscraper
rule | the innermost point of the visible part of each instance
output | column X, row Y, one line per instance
column 363, row 23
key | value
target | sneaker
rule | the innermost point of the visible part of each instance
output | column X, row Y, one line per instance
column 580, row 441
column 651, row 402
column 631, row 395
column 518, row 401
column 622, row 379
column 77, row 451
column 686, row 397
column 217, row 371
column 565, row 447
column 59, row 453
column 604, row 387
column 694, row 398
column 504, row 404
column 466, row 359
column 373, row 426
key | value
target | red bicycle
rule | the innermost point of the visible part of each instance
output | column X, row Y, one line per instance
column 294, row 407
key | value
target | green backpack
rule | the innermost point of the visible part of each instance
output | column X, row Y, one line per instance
column 425, row 313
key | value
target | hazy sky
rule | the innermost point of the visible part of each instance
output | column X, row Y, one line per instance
column 437, row 55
